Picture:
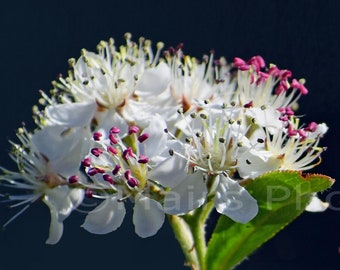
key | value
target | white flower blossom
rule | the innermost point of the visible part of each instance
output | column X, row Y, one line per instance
column 46, row 159
column 204, row 164
column 121, row 172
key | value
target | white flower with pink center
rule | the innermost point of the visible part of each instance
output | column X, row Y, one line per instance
column 119, row 167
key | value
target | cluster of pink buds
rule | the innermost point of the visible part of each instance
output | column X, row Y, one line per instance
column 260, row 75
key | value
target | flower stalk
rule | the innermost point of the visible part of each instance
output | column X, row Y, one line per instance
column 190, row 232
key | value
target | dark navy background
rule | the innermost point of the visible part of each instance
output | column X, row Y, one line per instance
column 38, row 37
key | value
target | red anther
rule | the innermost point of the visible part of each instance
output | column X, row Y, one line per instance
column 89, row 193
column 108, row 178
column 295, row 84
column 132, row 182
column 127, row 174
column 303, row 90
column 97, row 136
column 115, row 130
column 127, row 153
column 238, row 62
column 143, row 137
column 99, row 170
column 291, row 131
column 284, row 84
column 133, row 129
column 143, row 159
column 274, row 71
column 283, row 118
column 73, row 179
column 86, row 162
column 282, row 110
column 289, row 111
column 302, row 133
column 92, row 171
column 285, row 74
column 279, row 89
column 312, row 127
column 244, row 67
column 300, row 86
column 257, row 62
column 116, row 169
column 113, row 139
column 112, row 150
column 96, row 151
column 248, row 105
column 260, row 61
column 264, row 75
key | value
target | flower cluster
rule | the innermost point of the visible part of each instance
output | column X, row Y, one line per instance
column 162, row 131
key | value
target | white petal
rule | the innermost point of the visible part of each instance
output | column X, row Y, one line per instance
column 268, row 118
column 56, row 227
column 148, row 216
column 110, row 118
column 254, row 163
column 188, row 195
column 71, row 114
column 154, row 81
column 61, row 146
column 61, row 201
column 156, row 143
column 59, row 198
column 106, row 217
column 234, row 201
column 316, row 205
column 76, row 196
column 170, row 172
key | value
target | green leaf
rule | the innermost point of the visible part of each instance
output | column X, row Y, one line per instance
column 281, row 196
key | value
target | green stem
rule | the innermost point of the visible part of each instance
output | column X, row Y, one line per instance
column 190, row 233
column 184, row 237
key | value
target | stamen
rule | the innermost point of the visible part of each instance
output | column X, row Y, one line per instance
column 132, row 182
column 133, row 130
column 97, row 136
column 143, row 137
column 248, row 105
column 89, row 193
column 73, row 179
column 108, row 178
column 16, row 215
column 96, row 151
column 128, row 152
column 112, row 150
column 113, row 139
column 116, row 169
column 115, row 130
column 143, row 159
column 312, row 127
column 86, row 162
